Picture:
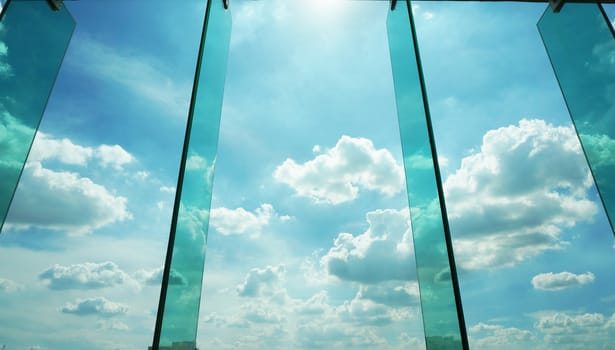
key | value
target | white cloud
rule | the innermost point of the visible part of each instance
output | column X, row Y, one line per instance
column 317, row 304
column 9, row 286
column 384, row 252
column 98, row 306
column 142, row 175
column 335, row 176
column 13, row 134
column 258, row 313
column 262, row 282
column 64, row 201
column 564, row 323
column 511, row 200
column 5, row 68
column 365, row 312
column 154, row 277
column 563, row 330
column 239, row 221
column 45, row 147
column 487, row 336
column 167, row 189
column 600, row 148
column 83, row 276
column 196, row 162
column 113, row 156
column 557, row 281
column 393, row 294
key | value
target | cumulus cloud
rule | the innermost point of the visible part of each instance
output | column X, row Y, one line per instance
column 382, row 253
column 563, row 330
column 557, row 281
column 13, row 135
column 393, row 294
column 83, row 276
column 365, row 312
column 317, row 304
column 154, row 277
column 262, row 282
column 113, row 156
column 258, row 313
column 560, row 322
column 511, row 200
column 600, row 148
column 98, row 306
column 9, row 286
column 239, row 221
column 64, row 150
column 335, row 176
column 46, row 147
column 5, row 67
column 488, row 336
column 167, row 189
column 64, row 201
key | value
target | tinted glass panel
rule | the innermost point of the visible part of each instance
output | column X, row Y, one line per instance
column 33, row 40
column 429, row 223
column 581, row 46
column 191, row 216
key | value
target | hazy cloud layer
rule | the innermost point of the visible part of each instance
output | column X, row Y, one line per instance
column 9, row 286
column 97, row 306
column 557, row 281
column 511, row 200
column 83, row 276
column 337, row 175
column 383, row 253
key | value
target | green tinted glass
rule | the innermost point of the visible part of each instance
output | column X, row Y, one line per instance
column 33, row 40
column 181, row 293
column 442, row 314
column 581, row 47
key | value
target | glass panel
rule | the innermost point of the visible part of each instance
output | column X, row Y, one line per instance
column 33, row 40
column 442, row 314
column 176, row 325
column 522, row 210
column 581, row 46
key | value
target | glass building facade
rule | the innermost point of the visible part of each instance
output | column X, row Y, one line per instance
column 363, row 187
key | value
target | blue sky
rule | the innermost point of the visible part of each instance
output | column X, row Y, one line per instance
column 308, row 193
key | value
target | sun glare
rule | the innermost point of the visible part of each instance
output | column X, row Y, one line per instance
column 323, row 7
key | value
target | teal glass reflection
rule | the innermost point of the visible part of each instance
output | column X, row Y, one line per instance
column 178, row 312
column 440, row 302
column 33, row 41
column 581, row 46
